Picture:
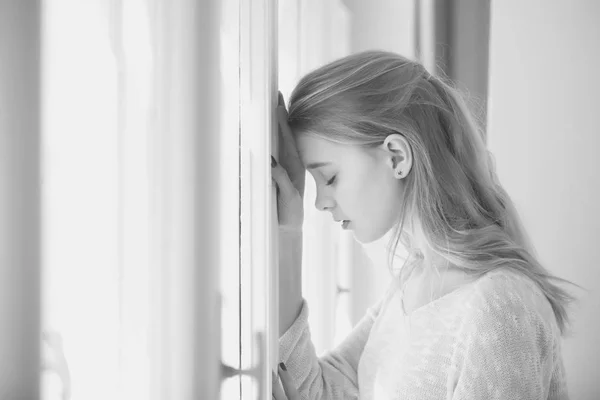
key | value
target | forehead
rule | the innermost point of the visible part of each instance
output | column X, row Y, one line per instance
column 313, row 149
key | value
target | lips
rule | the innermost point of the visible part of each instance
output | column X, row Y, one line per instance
column 343, row 222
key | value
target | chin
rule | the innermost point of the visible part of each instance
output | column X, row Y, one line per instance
column 363, row 238
column 370, row 236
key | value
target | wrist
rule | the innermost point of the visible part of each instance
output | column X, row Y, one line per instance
column 290, row 230
column 291, row 240
column 288, row 314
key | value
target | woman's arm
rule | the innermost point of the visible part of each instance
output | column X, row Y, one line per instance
column 334, row 375
column 290, row 278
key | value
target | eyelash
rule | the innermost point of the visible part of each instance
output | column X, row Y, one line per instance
column 330, row 182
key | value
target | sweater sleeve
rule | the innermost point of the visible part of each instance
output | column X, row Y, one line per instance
column 510, row 345
column 334, row 375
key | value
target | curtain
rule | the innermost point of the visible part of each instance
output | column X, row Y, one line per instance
column 131, row 233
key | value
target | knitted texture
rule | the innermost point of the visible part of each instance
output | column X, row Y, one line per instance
column 494, row 338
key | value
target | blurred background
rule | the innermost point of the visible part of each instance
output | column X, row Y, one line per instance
column 136, row 213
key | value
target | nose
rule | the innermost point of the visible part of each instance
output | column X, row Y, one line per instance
column 323, row 203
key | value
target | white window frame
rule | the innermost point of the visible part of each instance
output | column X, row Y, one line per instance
column 20, row 243
column 259, row 276
column 186, row 355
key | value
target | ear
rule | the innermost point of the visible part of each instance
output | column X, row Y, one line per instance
column 398, row 154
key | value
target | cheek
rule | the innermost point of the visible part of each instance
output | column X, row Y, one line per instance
column 361, row 198
column 382, row 199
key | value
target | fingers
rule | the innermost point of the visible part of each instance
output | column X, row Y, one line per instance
column 280, row 175
column 284, row 130
column 290, row 158
column 288, row 383
column 285, row 134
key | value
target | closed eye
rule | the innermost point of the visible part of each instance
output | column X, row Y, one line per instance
column 330, row 182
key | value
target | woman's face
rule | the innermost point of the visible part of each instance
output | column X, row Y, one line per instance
column 354, row 184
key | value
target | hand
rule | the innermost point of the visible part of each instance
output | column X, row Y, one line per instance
column 289, row 176
column 289, row 391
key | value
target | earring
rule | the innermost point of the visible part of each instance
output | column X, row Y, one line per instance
column 398, row 174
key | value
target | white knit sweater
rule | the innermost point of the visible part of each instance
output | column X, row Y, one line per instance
column 494, row 338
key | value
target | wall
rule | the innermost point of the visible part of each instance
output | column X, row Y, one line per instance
column 468, row 56
column 544, row 133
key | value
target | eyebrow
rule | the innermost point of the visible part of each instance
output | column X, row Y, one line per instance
column 316, row 165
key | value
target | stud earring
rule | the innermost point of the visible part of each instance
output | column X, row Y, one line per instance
column 398, row 173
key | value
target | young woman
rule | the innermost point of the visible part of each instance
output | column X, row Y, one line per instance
column 471, row 314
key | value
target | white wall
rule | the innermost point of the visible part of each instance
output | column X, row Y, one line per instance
column 469, row 41
column 382, row 24
column 544, row 132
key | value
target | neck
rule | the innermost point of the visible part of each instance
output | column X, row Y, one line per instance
column 419, row 253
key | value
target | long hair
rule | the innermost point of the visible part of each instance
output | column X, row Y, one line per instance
column 452, row 196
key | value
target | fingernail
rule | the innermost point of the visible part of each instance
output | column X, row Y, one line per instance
column 282, row 366
column 273, row 162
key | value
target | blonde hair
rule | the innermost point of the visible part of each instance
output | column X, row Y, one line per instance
column 452, row 194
